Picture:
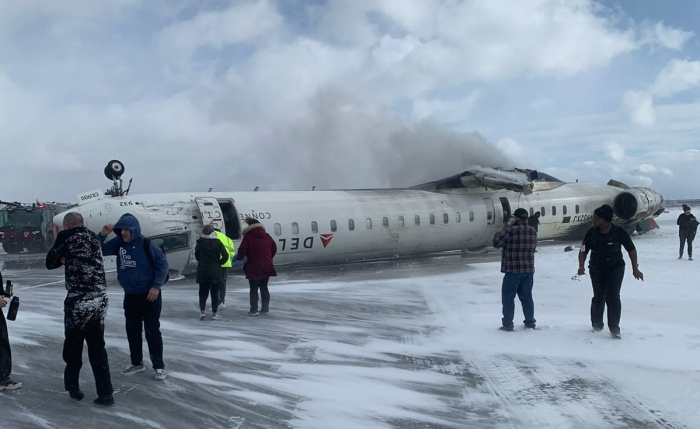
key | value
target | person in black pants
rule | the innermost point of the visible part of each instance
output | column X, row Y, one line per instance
column 142, row 269
column 607, row 267
column 85, row 306
column 687, row 227
column 211, row 255
column 6, row 382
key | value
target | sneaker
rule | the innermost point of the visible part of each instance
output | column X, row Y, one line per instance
column 690, row 258
column 222, row 305
column 10, row 385
column 215, row 317
column 105, row 400
column 252, row 313
column 78, row 395
column 202, row 316
column 133, row 369
column 680, row 257
column 530, row 326
column 615, row 333
column 506, row 328
column 160, row 375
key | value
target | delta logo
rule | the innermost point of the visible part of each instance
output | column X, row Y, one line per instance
column 326, row 239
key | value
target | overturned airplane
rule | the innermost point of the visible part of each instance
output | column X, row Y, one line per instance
column 461, row 212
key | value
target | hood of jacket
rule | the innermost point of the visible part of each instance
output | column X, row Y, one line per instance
column 255, row 230
column 128, row 221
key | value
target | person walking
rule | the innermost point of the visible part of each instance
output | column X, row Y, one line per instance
column 141, row 270
column 260, row 249
column 519, row 242
column 534, row 221
column 226, row 266
column 6, row 383
column 211, row 255
column 687, row 227
column 85, row 306
column 607, row 267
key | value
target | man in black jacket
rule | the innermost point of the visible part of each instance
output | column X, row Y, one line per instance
column 6, row 382
column 85, row 306
column 687, row 227
column 607, row 267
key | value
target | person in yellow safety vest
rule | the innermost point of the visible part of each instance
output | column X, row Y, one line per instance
column 231, row 249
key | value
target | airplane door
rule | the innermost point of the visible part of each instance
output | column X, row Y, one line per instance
column 211, row 213
column 490, row 211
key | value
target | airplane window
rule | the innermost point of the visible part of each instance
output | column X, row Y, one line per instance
column 171, row 242
column 278, row 229
column 576, row 208
column 385, row 222
column 295, row 228
column 444, row 218
column 417, row 220
column 314, row 227
column 369, row 223
column 351, row 224
column 432, row 219
column 554, row 211
column 334, row 226
column 401, row 221
column 543, row 212
column 563, row 209
column 489, row 215
column 459, row 217
column 471, row 216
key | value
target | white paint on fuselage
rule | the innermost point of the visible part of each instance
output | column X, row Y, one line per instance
column 163, row 214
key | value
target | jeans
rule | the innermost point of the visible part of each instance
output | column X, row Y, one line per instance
column 94, row 335
column 264, row 292
column 142, row 313
column 517, row 284
column 222, row 287
column 607, row 283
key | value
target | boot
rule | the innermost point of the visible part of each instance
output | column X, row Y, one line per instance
column 265, row 307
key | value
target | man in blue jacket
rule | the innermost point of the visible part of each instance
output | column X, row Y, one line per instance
column 141, row 275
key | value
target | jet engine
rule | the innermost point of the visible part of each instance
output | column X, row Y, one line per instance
column 637, row 204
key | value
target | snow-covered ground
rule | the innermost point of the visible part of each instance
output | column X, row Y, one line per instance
column 403, row 344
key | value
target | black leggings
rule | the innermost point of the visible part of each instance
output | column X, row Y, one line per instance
column 204, row 291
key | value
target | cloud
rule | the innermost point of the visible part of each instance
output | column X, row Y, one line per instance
column 658, row 34
column 640, row 107
column 677, row 76
column 241, row 23
column 614, row 151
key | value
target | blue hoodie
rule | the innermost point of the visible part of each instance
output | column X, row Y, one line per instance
column 135, row 272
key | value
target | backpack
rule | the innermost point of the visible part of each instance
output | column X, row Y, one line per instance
column 147, row 249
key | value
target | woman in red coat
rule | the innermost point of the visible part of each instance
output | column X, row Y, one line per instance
column 260, row 248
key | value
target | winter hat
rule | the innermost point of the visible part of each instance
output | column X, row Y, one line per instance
column 208, row 229
column 520, row 213
column 604, row 212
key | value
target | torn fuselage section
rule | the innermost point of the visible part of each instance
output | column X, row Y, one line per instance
column 516, row 179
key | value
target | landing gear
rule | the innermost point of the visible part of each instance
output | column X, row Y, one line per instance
column 114, row 169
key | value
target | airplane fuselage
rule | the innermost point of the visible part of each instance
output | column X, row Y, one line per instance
column 316, row 227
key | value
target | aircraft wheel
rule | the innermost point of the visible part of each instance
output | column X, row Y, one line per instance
column 114, row 169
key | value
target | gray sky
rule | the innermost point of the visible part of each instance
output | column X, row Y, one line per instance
column 363, row 93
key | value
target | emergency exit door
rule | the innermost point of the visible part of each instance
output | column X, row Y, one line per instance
column 210, row 212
